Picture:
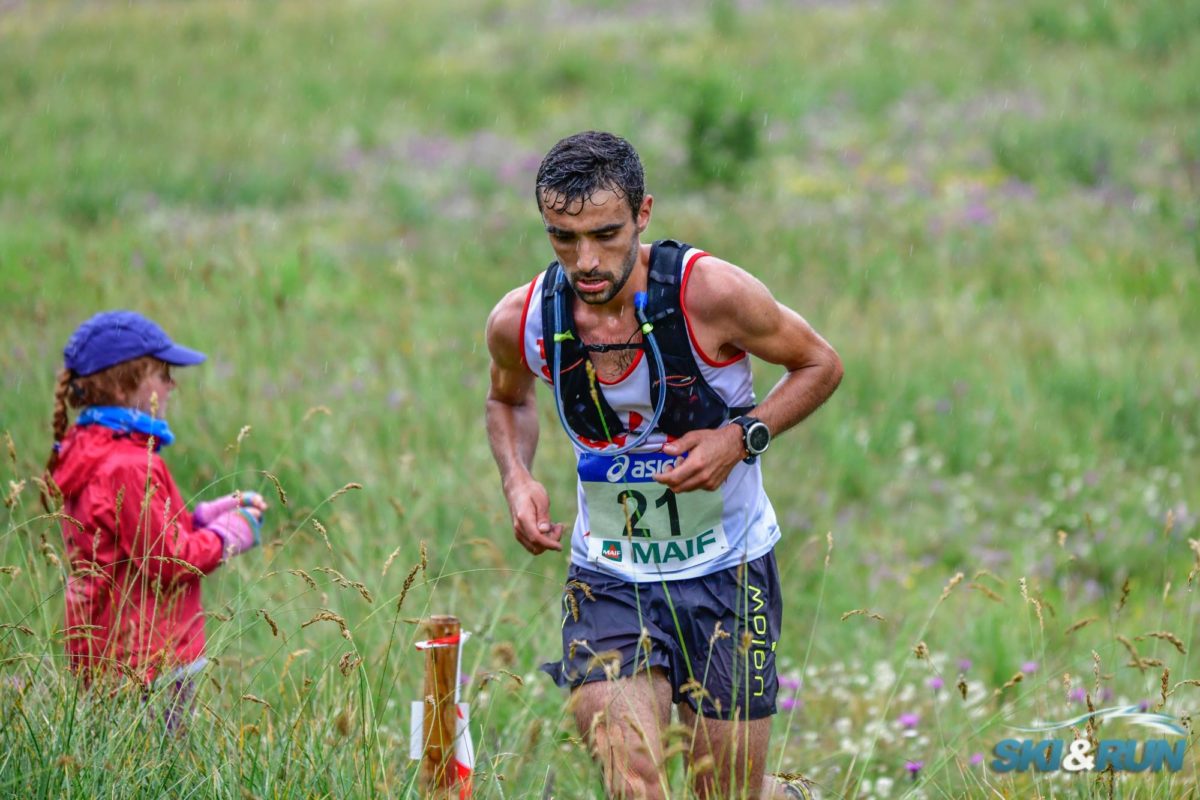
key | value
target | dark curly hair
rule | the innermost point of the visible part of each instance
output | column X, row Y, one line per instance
column 589, row 162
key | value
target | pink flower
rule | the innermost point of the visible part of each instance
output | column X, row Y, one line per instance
column 976, row 759
column 964, row 664
column 787, row 703
column 936, row 683
column 913, row 767
column 909, row 719
column 1029, row 667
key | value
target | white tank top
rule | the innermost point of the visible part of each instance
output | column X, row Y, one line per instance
column 628, row 524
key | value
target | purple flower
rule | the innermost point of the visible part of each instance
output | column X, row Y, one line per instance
column 790, row 683
column 909, row 719
column 913, row 767
column 788, row 703
column 936, row 683
column 1144, row 706
column 1106, row 694
column 976, row 759
column 1078, row 694
column 1029, row 667
column 978, row 213
column 964, row 664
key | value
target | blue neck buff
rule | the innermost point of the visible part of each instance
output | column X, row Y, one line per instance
column 127, row 420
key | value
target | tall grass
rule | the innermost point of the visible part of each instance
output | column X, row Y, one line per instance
column 991, row 211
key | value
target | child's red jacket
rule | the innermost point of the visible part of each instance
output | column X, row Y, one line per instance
column 133, row 595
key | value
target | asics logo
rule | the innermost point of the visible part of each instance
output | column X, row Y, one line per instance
column 639, row 470
column 617, row 471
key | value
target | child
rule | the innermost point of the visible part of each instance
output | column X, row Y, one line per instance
column 133, row 595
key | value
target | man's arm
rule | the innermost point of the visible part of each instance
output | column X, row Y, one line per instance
column 512, row 428
column 732, row 310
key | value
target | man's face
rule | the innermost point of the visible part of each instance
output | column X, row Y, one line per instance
column 597, row 242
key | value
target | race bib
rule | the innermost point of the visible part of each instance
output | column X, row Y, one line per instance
column 640, row 525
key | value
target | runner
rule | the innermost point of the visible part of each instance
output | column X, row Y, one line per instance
column 672, row 595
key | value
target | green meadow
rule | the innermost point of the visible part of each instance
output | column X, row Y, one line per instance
column 991, row 210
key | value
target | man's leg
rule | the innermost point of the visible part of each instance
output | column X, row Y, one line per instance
column 739, row 754
column 622, row 722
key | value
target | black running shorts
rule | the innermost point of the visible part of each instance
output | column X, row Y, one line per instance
column 714, row 636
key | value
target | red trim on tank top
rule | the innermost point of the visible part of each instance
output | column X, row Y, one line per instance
column 524, row 314
column 628, row 371
column 687, row 322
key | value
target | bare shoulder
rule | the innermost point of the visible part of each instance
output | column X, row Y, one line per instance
column 726, row 297
column 504, row 328
column 731, row 311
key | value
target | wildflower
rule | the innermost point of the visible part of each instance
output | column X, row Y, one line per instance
column 790, row 683
column 1029, row 667
column 964, row 664
column 1144, row 706
column 1077, row 695
column 976, row 759
column 936, row 683
column 914, row 768
column 909, row 719
column 787, row 703
column 978, row 213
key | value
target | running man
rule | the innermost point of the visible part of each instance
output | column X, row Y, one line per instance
column 672, row 595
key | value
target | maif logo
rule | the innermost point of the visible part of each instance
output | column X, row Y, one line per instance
column 1078, row 755
column 612, row 551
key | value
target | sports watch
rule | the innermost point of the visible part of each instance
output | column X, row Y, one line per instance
column 756, row 436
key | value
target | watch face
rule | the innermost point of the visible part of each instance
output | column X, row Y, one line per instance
column 757, row 438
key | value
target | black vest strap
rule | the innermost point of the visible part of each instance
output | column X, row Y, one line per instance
column 691, row 404
column 588, row 413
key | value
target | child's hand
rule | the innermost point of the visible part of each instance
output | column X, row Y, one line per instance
column 238, row 530
column 206, row 512
column 254, row 504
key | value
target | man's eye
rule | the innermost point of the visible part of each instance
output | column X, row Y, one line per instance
column 562, row 237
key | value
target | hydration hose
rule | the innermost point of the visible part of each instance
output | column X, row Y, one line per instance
column 647, row 329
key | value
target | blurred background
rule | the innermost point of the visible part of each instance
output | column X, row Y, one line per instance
column 989, row 209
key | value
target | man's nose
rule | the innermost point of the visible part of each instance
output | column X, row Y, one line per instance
column 588, row 255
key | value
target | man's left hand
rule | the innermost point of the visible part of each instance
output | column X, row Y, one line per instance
column 708, row 458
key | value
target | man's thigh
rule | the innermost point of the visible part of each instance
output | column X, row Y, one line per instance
column 640, row 703
column 732, row 620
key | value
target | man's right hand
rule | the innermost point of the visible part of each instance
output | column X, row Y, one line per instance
column 530, row 507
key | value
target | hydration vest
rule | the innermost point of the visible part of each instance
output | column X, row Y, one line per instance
column 691, row 404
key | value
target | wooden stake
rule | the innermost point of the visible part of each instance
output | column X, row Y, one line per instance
column 441, row 675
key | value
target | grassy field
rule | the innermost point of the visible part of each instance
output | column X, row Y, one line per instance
column 990, row 209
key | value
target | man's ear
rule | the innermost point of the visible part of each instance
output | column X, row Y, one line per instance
column 643, row 216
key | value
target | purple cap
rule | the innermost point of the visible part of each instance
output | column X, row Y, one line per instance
column 113, row 337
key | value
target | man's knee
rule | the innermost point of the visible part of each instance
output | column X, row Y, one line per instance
column 627, row 755
column 634, row 776
column 626, row 740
